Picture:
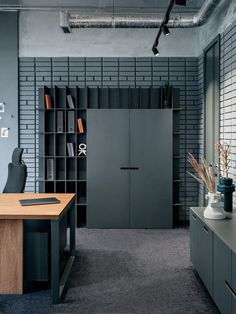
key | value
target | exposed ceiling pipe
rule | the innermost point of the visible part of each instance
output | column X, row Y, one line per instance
column 106, row 21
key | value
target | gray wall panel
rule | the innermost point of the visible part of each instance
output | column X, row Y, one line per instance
column 9, row 88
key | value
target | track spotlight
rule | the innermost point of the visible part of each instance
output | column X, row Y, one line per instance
column 165, row 30
column 180, row 2
column 155, row 51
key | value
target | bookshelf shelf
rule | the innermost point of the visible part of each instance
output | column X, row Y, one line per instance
column 177, row 181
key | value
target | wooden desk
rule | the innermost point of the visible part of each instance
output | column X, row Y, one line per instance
column 12, row 215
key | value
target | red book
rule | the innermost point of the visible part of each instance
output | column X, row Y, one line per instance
column 48, row 101
column 81, row 125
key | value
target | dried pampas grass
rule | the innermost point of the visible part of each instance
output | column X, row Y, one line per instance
column 205, row 173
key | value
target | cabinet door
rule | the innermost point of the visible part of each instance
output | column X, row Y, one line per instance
column 151, row 160
column 107, row 153
column 194, row 240
column 205, row 268
column 233, row 292
column 222, row 276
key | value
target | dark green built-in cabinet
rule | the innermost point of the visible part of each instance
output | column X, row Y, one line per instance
column 129, row 168
column 124, row 128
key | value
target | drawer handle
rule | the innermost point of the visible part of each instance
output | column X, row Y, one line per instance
column 230, row 289
column 134, row 168
column 124, row 168
column 194, row 217
column 205, row 229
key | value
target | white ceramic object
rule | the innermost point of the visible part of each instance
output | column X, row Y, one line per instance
column 215, row 208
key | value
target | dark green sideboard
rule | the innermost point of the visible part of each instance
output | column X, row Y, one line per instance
column 213, row 254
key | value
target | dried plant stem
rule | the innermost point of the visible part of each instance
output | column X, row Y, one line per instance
column 224, row 152
column 205, row 175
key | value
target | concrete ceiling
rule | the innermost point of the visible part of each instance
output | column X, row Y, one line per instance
column 106, row 6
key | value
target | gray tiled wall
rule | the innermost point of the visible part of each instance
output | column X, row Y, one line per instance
column 228, row 93
column 201, row 123
column 112, row 72
column 227, row 98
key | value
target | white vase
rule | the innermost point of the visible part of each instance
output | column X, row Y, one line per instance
column 215, row 207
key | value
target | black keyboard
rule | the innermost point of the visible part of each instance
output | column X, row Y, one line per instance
column 39, row 201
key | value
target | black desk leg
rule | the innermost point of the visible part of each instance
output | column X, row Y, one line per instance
column 55, row 260
column 72, row 230
column 58, row 282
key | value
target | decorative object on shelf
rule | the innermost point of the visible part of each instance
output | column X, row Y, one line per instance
column 70, row 102
column 214, row 209
column 167, row 95
column 4, row 132
column 48, row 101
column 81, row 125
column 207, row 176
column 225, row 185
column 82, row 149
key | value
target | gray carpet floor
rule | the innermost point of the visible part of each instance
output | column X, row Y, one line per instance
column 124, row 272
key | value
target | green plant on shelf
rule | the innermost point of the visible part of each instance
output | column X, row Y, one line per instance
column 167, row 94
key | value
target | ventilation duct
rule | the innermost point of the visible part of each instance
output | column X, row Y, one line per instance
column 95, row 21
column 64, row 22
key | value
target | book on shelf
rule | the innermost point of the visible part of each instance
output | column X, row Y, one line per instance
column 81, row 125
column 70, row 102
column 70, row 149
column 48, row 101
column 59, row 121
column 71, row 122
column 50, row 169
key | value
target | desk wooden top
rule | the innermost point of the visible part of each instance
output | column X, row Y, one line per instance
column 10, row 208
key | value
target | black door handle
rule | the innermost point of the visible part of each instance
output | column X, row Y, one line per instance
column 129, row 168
column 230, row 289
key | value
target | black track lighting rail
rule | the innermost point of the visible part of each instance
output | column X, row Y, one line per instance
column 163, row 28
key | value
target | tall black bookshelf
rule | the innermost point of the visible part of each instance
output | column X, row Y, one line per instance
column 68, row 173
column 61, row 170
column 177, row 180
